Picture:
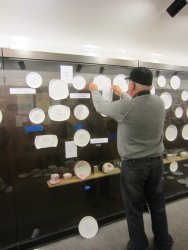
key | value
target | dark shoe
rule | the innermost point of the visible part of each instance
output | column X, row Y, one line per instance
column 130, row 246
column 164, row 245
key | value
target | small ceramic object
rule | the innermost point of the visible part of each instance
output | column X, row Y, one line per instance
column 108, row 168
column 67, row 176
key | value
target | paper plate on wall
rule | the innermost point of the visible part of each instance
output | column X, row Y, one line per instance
column 58, row 89
column 36, row 116
column 175, row 82
column 46, row 141
column 81, row 137
column 179, row 112
column 88, row 227
column 167, row 99
column 82, row 169
column 121, row 82
column 161, row 81
column 171, row 133
column 34, row 80
column 185, row 132
column 1, row 116
column 81, row 112
column 174, row 166
column 59, row 112
column 184, row 95
column 79, row 82
column 104, row 84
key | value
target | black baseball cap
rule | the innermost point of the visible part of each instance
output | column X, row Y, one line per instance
column 142, row 76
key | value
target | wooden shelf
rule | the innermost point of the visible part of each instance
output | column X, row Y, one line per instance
column 74, row 179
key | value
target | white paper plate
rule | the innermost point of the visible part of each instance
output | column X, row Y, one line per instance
column 185, row 132
column 179, row 112
column 175, row 82
column 171, row 133
column 46, row 141
column 161, row 81
column 152, row 91
column 79, row 82
column 88, row 227
column 121, row 82
column 58, row 89
column 82, row 169
column 81, row 137
column 104, row 84
column 34, row 80
column 173, row 166
column 1, row 116
column 167, row 99
column 59, row 112
column 36, row 116
column 184, row 95
column 81, row 112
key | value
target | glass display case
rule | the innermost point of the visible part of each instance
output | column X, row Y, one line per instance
column 42, row 120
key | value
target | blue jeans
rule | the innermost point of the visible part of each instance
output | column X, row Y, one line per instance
column 141, row 184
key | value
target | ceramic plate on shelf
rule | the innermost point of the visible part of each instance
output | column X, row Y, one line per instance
column 34, row 80
column 121, row 82
column 184, row 95
column 88, row 227
column 59, row 112
column 81, row 112
column 167, row 99
column 81, row 137
column 79, row 82
column 36, row 116
column 161, row 81
column 171, row 133
column 1, row 116
column 58, row 89
column 179, row 112
column 175, row 82
column 185, row 132
column 82, row 169
column 173, row 166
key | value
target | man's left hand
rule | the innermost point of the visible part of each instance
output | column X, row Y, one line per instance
column 93, row 86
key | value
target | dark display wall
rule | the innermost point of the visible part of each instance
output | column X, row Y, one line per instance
column 32, row 213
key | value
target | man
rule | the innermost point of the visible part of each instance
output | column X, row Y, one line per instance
column 140, row 118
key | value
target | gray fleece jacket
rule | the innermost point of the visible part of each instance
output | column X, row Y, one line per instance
column 140, row 123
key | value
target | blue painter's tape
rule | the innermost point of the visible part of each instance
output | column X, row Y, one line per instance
column 112, row 136
column 29, row 129
column 78, row 126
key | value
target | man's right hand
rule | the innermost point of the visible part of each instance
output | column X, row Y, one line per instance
column 117, row 90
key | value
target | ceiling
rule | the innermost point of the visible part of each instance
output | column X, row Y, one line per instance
column 127, row 29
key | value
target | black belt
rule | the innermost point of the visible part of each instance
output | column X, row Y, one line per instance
column 148, row 158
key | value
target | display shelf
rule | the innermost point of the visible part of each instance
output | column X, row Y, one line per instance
column 74, row 179
column 101, row 174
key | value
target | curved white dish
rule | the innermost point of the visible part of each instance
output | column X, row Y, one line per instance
column 173, row 166
column 59, row 112
column 171, row 133
column 79, row 82
column 152, row 91
column 175, row 82
column 178, row 112
column 1, row 116
column 88, row 227
column 36, row 116
column 121, row 82
column 34, row 80
column 167, row 99
column 82, row 169
column 81, row 112
column 104, row 84
column 185, row 132
column 46, row 141
column 58, row 89
column 81, row 137
column 161, row 81
column 184, row 95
